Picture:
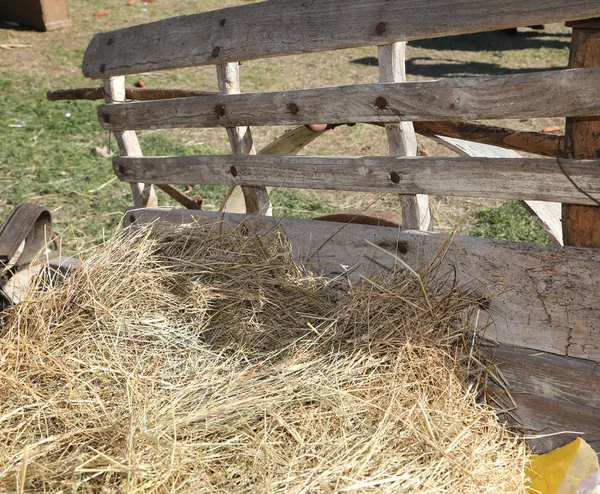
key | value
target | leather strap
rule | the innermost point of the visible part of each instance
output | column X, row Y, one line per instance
column 30, row 223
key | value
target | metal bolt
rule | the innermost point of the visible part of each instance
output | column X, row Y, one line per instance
column 216, row 51
column 233, row 171
column 395, row 177
column 380, row 28
column 293, row 108
column 381, row 103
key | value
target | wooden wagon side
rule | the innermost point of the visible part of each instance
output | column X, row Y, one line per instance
column 545, row 302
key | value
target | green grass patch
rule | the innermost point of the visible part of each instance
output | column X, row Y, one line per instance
column 511, row 221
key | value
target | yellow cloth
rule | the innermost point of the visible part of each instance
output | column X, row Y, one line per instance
column 572, row 469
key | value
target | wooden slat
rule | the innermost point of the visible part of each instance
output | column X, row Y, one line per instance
column 283, row 27
column 129, row 145
column 545, row 298
column 553, row 394
column 581, row 225
column 256, row 199
column 134, row 93
column 504, row 178
column 547, row 214
column 531, row 142
column 401, row 137
column 541, row 94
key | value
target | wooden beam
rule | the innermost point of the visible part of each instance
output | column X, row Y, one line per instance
column 541, row 94
column 134, row 94
column 543, row 298
column 504, row 178
column 531, row 142
column 581, row 224
column 553, row 394
column 256, row 198
column 281, row 27
column 129, row 145
column 401, row 137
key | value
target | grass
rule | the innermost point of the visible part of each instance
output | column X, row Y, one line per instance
column 49, row 158
column 511, row 221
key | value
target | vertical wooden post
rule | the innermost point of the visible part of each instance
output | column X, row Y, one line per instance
column 114, row 92
column 240, row 139
column 402, row 140
column 581, row 224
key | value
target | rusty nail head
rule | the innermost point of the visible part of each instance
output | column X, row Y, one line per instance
column 381, row 103
column 293, row 108
column 215, row 52
column 102, row 67
column 220, row 110
column 222, row 22
column 233, row 171
column 380, row 28
column 395, row 177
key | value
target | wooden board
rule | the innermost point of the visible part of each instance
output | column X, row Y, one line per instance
column 547, row 214
column 531, row 142
column 546, row 298
column 402, row 141
column 553, row 394
column 542, row 94
column 283, row 27
column 504, row 178
column 582, row 224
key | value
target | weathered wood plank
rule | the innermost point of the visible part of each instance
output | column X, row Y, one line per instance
column 401, row 137
column 283, row 27
column 129, row 145
column 545, row 298
column 133, row 93
column 542, row 94
column 553, row 394
column 547, row 214
column 256, row 199
column 504, row 178
column 531, row 142
column 581, row 225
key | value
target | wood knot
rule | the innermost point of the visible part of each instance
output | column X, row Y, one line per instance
column 380, row 28
column 293, row 108
column 233, row 171
column 222, row 22
column 216, row 51
column 395, row 177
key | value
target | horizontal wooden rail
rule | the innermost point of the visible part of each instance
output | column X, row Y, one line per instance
column 532, row 142
column 135, row 94
column 542, row 94
column 283, row 27
column 504, row 178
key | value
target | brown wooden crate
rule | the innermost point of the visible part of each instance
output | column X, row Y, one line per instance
column 46, row 15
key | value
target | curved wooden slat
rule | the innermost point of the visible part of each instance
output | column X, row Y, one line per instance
column 542, row 94
column 284, row 27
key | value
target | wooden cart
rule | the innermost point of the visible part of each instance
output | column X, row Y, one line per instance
column 545, row 300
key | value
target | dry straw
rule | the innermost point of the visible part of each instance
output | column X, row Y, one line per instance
column 205, row 359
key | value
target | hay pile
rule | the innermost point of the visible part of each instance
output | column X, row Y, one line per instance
column 194, row 359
